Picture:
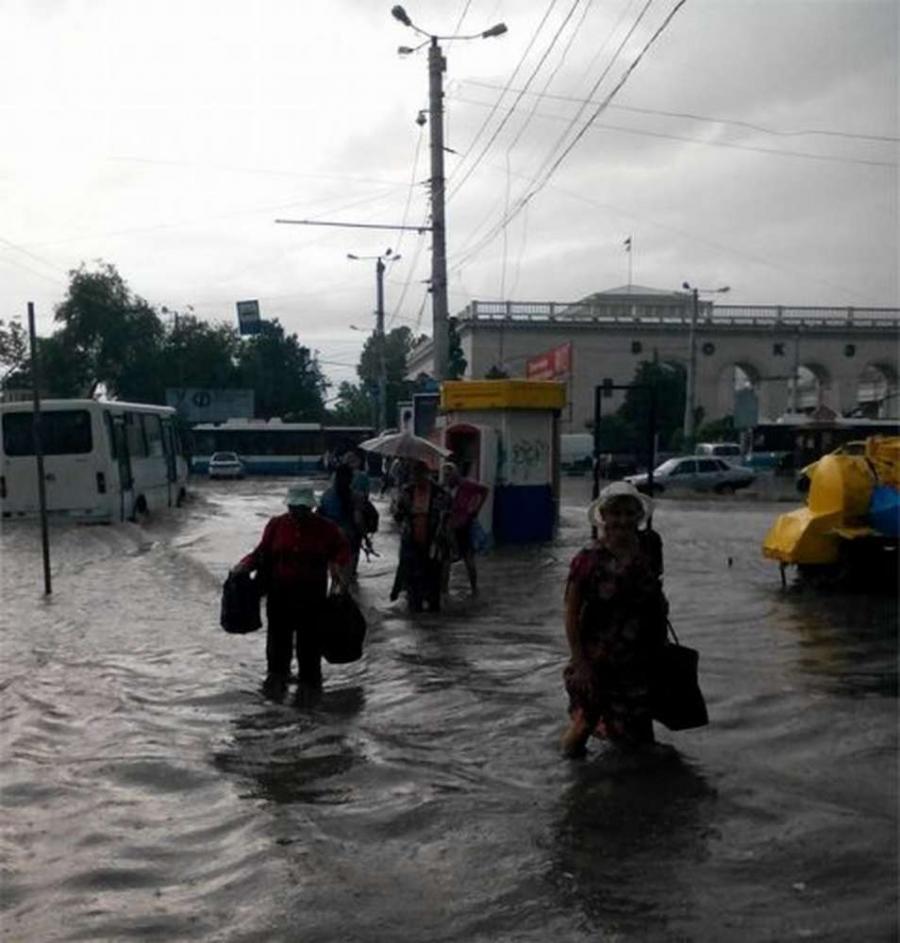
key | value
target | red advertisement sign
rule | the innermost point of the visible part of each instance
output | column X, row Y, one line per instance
column 550, row 365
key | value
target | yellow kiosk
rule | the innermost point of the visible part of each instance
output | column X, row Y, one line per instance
column 505, row 434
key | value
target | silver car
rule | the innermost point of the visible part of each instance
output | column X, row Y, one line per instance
column 696, row 473
column 225, row 465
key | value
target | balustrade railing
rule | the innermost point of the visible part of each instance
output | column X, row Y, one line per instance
column 638, row 313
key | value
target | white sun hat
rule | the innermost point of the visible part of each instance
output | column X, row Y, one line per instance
column 300, row 496
column 618, row 489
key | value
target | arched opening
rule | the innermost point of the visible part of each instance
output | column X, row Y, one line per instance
column 807, row 388
column 876, row 392
column 737, row 390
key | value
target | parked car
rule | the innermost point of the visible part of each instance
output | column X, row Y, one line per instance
column 225, row 465
column 696, row 473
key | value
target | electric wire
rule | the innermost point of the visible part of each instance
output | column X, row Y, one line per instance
column 475, row 243
column 695, row 117
column 500, row 97
column 808, row 155
column 511, row 110
column 531, row 193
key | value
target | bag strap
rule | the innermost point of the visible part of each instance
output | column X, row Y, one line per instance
column 672, row 630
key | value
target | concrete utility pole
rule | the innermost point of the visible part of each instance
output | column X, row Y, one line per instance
column 690, row 393
column 437, row 65
column 440, row 337
column 380, row 349
column 379, row 336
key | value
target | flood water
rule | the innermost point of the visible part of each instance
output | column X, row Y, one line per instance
column 150, row 791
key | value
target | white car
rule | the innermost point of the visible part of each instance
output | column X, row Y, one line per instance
column 225, row 465
column 696, row 473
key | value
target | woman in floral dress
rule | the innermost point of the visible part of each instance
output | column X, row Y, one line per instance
column 615, row 624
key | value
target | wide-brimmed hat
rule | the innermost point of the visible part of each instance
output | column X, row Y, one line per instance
column 300, row 496
column 614, row 491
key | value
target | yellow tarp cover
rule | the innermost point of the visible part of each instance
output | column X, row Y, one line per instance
column 839, row 495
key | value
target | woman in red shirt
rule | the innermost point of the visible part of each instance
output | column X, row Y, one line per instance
column 294, row 557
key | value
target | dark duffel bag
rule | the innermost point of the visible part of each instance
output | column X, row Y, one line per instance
column 240, row 604
column 342, row 630
column 676, row 699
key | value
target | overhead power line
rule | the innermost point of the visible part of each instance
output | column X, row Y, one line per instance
column 500, row 97
column 511, row 110
column 708, row 143
column 694, row 117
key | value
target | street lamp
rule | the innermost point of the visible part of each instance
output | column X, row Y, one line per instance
column 379, row 327
column 437, row 65
column 691, row 391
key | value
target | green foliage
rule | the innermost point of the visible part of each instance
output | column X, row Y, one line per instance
column 13, row 348
column 669, row 381
column 497, row 373
column 719, row 430
column 456, row 360
column 354, row 406
column 397, row 345
column 617, row 435
column 108, row 335
column 283, row 374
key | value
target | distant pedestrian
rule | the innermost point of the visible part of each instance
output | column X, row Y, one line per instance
column 466, row 499
column 293, row 559
column 421, row 511
column 361, row 482
column 344, row 507
column 615, row 623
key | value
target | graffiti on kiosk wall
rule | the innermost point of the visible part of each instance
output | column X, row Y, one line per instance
column 527, row 460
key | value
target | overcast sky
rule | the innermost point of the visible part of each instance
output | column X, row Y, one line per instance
column 754, row 145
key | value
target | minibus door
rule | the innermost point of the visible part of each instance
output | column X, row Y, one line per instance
column 126, row 477
column 171, row 467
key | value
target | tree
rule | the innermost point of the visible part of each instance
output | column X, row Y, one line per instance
column 14, row 354
column 354, row 406
column 669, row 381
column 283, row 374
column 198, row 354
column 456, row 360
column 397, row 345
column 108, row 335
column 497, row 373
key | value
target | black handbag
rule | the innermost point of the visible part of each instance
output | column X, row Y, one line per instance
column 675, row 696
column 239, row 614
column 342, row 630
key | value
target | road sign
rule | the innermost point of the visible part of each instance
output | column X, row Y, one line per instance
column 249, row 321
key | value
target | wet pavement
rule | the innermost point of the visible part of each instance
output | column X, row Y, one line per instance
column 150, row 791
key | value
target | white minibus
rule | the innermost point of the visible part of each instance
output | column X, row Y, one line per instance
column 103, row 461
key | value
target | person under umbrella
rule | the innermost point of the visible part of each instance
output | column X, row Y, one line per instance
column 421, row 511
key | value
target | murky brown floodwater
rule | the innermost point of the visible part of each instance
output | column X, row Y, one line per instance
column 150, row 792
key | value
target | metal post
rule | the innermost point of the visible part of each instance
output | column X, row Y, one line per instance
column 651, row 440
column 439, row 305
column 795, row 383
column 38, row 447
column 598, row 408
column 690, row 392
column 379, row 336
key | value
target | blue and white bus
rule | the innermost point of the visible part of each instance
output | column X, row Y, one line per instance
column 273, row 447
column 103, row 461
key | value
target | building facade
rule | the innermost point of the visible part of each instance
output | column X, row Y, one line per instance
column 844, row 357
